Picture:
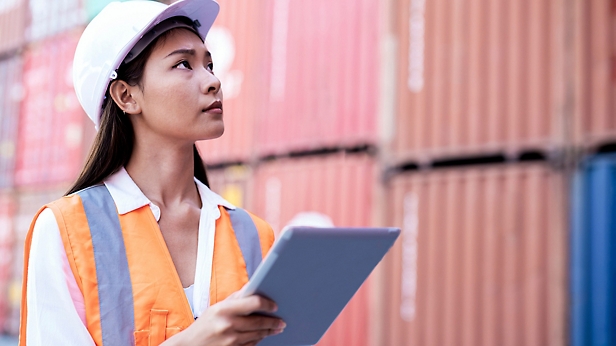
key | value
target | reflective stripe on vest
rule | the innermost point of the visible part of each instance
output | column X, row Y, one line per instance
column 112, row 273
column 246, row 234
column 115, row 291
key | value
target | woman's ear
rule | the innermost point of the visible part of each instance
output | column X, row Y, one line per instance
column 120, row 92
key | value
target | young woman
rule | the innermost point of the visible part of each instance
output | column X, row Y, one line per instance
column 140, row 251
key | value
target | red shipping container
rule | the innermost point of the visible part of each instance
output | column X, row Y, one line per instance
column 594, row 80
column 51, row 128
column 481, row 260
column 236, row 43
column 6, row 256
column 338, row 188
column 322, row 77
column 11, row 93
column 476, row 77
column 50, row 18
column 13, row 20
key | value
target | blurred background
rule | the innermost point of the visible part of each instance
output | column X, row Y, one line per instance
column 485, row 129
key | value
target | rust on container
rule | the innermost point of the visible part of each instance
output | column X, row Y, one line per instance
column 336, row 189
column 13, row 21
column 11, row 93
column 50, row 141
column 236, row 43
column 474, row 77
column 481, row 261
column 321, row 75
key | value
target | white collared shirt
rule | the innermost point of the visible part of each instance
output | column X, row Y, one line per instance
column 56, row 308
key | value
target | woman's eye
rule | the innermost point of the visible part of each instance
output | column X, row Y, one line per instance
column 210, row 67
column 183, row 64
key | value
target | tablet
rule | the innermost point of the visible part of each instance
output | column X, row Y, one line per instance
column 312, row 273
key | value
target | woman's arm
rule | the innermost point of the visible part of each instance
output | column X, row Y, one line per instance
column 56, row 310
column 231, row 322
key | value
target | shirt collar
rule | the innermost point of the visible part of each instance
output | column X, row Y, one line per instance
column 128, row 197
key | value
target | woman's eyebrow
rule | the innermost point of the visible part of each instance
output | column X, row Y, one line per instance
column 189, row 52
column 182, row 51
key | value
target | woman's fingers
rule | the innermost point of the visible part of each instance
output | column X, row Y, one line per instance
column 248, row 305
column 249, row 338
column 258, row 323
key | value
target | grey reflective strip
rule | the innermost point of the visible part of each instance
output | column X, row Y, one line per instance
column 248, row 238
column 115, row 292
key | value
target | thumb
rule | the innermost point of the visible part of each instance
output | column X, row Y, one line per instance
column 239, row 293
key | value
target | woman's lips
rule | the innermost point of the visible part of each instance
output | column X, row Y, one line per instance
column 215, row 108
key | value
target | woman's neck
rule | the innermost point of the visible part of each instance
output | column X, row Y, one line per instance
column 164, row 173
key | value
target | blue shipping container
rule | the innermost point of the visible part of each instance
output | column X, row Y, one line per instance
column 593, row 253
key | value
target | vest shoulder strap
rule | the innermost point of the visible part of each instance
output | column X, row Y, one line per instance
column 247, row 237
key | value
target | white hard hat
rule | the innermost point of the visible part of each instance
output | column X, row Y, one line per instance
column 113, row 34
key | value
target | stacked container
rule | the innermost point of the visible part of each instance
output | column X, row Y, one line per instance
column 41, row 126
column 51, row 127
column 328, row 191
column 7, row 240
column 11, row 92
column 481, row 259
column 593, row 253
column 13, row 21
column 321, row 82
column 594, row 80
column 475, row 77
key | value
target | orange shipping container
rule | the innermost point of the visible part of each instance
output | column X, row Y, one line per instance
column 595, row 72
column 233, row 183
column 13, row 21
column 481, row 260
column 236, row 44
column 476, row 76
column 334, row 189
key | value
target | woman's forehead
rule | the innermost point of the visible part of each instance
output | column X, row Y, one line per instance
column 179, row 38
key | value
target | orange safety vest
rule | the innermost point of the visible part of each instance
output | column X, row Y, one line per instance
column 132, row 292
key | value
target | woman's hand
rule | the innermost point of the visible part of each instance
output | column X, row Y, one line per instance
column 231, row 322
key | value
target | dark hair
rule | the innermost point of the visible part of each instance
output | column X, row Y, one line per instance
column 114, row 141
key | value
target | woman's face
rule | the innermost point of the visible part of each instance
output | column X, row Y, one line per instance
column 179, row 97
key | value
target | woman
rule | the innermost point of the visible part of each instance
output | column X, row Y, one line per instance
column 140, row 251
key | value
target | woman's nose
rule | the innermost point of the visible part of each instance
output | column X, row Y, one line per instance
column 211, row 83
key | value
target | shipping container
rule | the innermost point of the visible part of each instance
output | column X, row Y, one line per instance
column 233, row 183
column 236, row 44
column 50, row 18
column 13, row 21
column 7, row 239
column 323, row 191
column 321, row 75
column 476, row 77
column 11, row 93
column 27, row 203
column 594, row 79
column 481, row 260
column 593, row 253
column 50, row 142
